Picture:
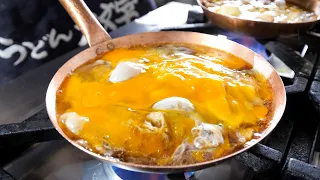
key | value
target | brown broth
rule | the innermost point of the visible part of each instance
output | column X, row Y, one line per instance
column 267, row 10
column 228, row 97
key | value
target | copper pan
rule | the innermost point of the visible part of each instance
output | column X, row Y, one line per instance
column 101, row 42
column 263, row 29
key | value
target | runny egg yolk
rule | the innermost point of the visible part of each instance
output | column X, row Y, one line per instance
column 222, row 88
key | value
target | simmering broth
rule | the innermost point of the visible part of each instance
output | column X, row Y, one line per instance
column 278, row 11
column 164, row 104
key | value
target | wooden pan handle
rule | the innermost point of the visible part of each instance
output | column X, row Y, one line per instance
column 86, row 21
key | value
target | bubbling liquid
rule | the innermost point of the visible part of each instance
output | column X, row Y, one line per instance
column 278, row 11
column 164, row 104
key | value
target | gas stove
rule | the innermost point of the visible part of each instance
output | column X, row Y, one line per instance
column 32, row 149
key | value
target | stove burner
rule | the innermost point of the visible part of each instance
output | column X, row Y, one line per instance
column 116, row 173
column 283, row 155
column 249, row 42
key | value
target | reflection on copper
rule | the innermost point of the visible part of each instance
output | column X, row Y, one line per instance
column 263, row 29
column 81, row 15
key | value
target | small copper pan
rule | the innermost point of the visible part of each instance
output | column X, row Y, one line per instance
column 100, row 42
column 263, row 29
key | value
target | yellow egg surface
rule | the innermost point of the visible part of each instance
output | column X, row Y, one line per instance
column 119, row 118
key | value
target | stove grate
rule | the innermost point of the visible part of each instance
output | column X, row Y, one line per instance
column 265, row 160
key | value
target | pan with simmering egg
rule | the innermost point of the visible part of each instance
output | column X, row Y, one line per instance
column 162, row 102
column 262, row 18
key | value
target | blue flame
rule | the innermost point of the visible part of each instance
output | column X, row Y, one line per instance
column 128, row 175
column 249, row 42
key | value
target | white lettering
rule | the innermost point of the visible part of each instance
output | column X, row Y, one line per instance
column 54, row 38
column 34, row 49
column 105, row 16
column 8, row 52
column 5, row 41
column 83, row 41
column 127, row 7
